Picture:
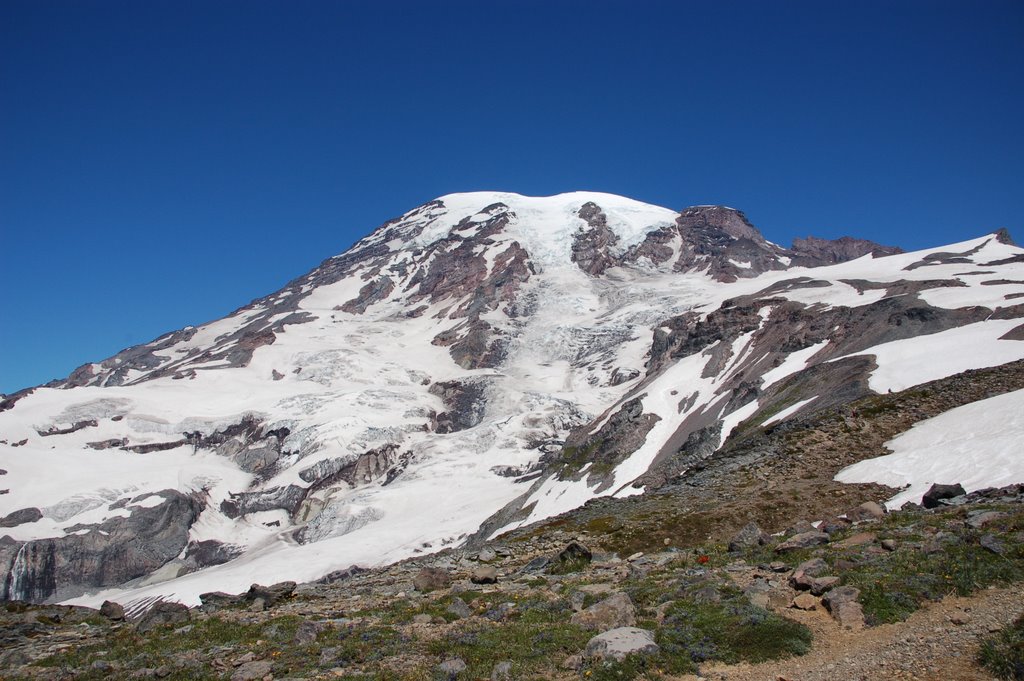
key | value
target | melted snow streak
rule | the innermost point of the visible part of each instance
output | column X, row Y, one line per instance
column 335, row 385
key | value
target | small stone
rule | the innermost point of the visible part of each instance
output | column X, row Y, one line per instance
column 636, row 556
column 819, row 585
column 802, row 541
column 422, row 618
column 459, row 608
column 805, row 601
column 502, row 672
column 889, row 544
column 452, row 668
column 307, row 632
column 486, row 555
column 252, row 671
column 960, row 618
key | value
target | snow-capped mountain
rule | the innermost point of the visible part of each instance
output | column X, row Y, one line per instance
column 482, row 362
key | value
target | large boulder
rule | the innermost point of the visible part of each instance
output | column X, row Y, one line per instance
column 431, row 579
column 617, row 644
column 938, row 492
column 615, row 611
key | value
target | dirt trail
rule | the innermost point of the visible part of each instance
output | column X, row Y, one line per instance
column 937, row 643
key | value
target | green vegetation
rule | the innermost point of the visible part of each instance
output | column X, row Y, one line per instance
column 953, row 561
column 1003, row 653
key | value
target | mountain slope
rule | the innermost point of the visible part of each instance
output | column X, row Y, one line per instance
column 487, row 360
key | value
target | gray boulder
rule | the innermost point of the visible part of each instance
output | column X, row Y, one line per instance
column 484, row 574
column 802, row 541
column 615, row 611
column 162, row 614
column 431, row 579
column 749, row 537
column 617, row 644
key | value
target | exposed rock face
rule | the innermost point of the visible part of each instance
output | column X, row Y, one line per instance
column 108, row 554
column 465, row 402
column 21, row 516
column 590, row 247
column 619, row 437
column 813, row 252
column 286, row 498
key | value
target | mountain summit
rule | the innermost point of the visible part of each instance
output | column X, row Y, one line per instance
column 482, row 362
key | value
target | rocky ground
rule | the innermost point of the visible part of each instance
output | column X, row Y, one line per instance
column 905, row 595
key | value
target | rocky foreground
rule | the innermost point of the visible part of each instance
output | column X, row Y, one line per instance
column 905, row 595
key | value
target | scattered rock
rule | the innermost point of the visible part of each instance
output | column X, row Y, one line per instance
column 452, row 668
column 459, row 608
column 616, row 644
column 869, row 510
column 805, row 601
column 889, row 544
column 802, row 540
column 271, row 595
column 161, row 614
column 615, row 611
column 252, row 671
column 486, row 555
column 749, row 537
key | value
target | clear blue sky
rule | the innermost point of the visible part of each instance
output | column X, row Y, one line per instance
column 162, row 163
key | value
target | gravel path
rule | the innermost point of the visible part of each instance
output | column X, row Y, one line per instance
column 937, row 643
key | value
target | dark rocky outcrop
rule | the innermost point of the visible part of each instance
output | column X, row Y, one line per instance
column 621, row 435
column 814, row 252
column 465, row 402
column 20, row 517
column 109, row 554
column 937, row 493
column 287, row 498
column 590, row 247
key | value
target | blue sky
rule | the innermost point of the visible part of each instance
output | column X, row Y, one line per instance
column 163, row 163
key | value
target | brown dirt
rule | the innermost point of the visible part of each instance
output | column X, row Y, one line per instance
column 929, row 646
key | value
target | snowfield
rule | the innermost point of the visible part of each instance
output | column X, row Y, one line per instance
column 977, row 445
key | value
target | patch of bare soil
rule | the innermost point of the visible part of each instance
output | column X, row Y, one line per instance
column 938, row 643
